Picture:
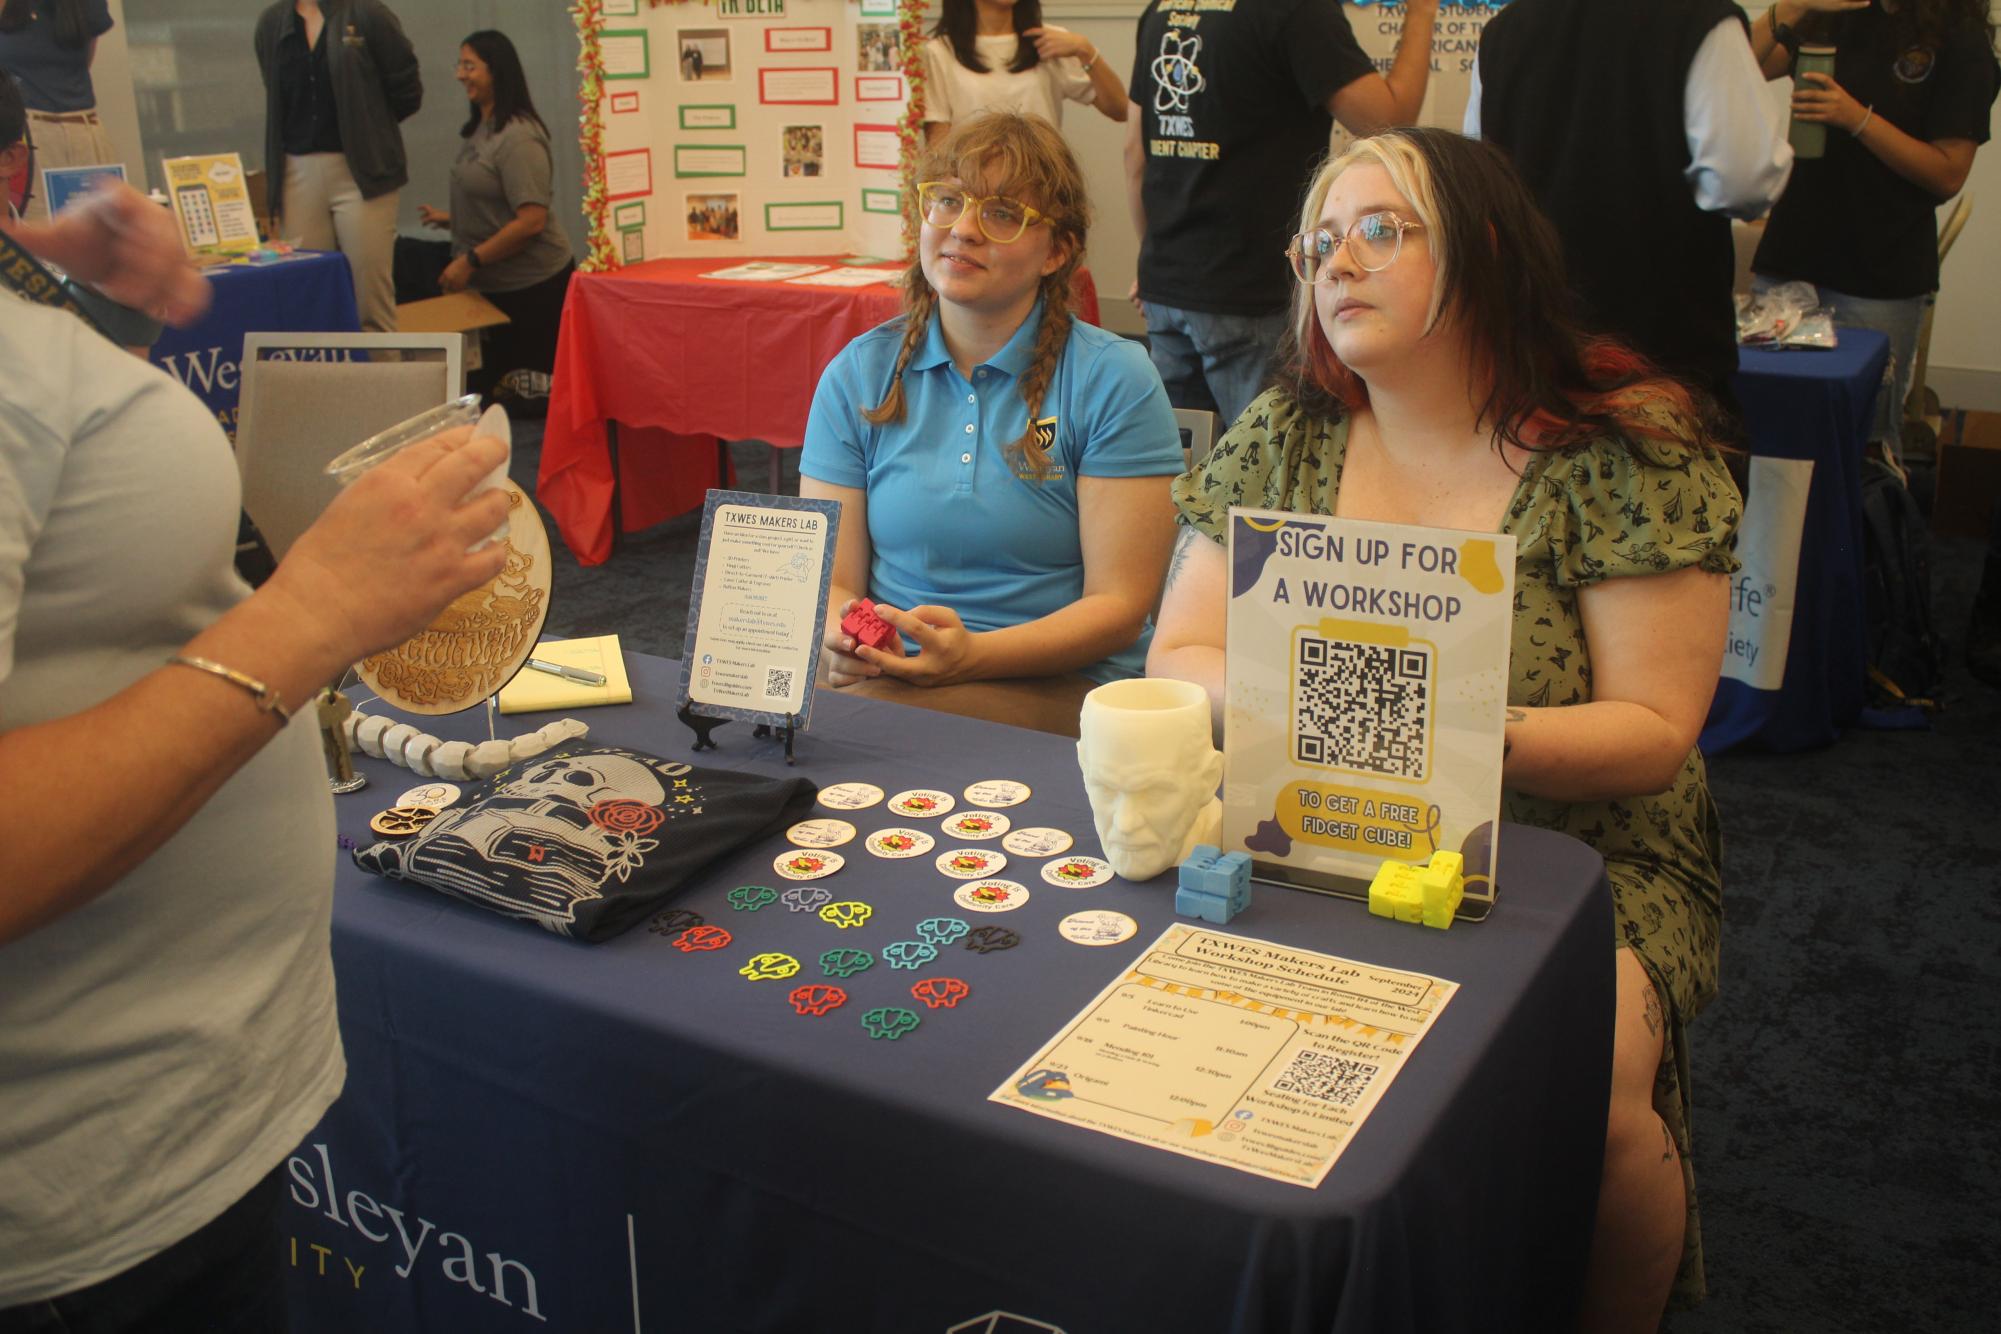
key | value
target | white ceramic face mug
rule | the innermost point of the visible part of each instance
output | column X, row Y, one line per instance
column 1151, row 771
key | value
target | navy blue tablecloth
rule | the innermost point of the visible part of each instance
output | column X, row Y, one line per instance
column 1811, row 405
column 628, row 1137
column 310, row 292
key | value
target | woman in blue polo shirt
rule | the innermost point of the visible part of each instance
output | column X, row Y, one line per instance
column 1002, row 469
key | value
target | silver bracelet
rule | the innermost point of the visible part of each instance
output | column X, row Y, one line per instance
column 1868, row 116
column 267, row 698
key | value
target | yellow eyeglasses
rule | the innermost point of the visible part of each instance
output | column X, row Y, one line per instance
column 1000, row 219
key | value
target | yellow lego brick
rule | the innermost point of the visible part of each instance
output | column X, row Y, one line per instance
column 1444, row 885
column 1429, row 894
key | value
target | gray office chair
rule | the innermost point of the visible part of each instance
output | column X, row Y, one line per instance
column 1198, row 433
column 299, row 409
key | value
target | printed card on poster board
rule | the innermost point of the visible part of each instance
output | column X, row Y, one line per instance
column 879, row 8
column 758, row 609
column 877, row 146
column 878, row 87
column 632, row 245
column 211, row 203
column 709, row 160
column 716, row 116
column 798, row 39
column 625, row 217
column 625, row 53
column 616, row 9
column 61, row 185
column 879, row 201
column 750, row 9
column 811, row 86
column 815, row 217
column 629, row 174
column 624, row 104
column 1367, row 686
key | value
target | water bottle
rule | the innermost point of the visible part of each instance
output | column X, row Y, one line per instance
column 1809, row 137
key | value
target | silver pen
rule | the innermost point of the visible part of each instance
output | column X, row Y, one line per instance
column 577, row 674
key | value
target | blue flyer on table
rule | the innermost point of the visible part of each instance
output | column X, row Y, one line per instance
column 759, row 602
column 63, row 185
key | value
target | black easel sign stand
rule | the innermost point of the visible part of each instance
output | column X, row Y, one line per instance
column 756, row 614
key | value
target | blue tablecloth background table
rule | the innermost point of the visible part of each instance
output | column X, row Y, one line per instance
column 310, row 291
column 1816, row 405
column 637, row 1138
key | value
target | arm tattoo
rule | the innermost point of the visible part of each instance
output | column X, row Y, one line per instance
column 1186, row 539
column 1653, row 1013
column 1518, row 716
column 1667, row 1145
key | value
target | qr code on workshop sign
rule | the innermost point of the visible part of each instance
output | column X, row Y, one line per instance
column 777, row 683
column 1361, row 706
column 1325, row 1078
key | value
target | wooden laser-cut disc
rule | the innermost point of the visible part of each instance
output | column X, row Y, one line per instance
column 479, row 642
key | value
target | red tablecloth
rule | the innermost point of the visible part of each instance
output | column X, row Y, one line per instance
column 678, row 361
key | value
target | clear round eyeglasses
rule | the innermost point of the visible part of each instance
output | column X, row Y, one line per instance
column 1000, row 219
column 1374, row 241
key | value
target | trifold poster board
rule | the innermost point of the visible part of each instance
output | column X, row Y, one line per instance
column 212, row 203
column 1367, row 688
column 753, row 127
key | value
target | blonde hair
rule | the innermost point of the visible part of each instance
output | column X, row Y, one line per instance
column 1024, row 157
column 1410, row 173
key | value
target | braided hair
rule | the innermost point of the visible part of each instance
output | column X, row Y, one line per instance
column 1026, row 158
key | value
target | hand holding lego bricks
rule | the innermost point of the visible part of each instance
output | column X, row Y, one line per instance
column 840, row 649
column 945, row 651
column 868, row 628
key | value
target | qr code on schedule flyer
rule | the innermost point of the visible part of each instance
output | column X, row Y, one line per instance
column 1362, row 706
column 1333, row 1079
column 777, row 683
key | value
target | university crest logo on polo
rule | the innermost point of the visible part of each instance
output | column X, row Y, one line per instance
column 1045, row 439
column 1916, row 64
column 1045, row 433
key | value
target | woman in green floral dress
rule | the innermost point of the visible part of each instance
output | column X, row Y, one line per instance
column 1434, row 374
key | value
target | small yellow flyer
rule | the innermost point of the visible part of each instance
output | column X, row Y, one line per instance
column 1236, row 1051
column 212, row 203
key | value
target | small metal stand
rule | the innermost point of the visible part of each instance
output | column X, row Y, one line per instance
column 767, row 730
column 700, row 723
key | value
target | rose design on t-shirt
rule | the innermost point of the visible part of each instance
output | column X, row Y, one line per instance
column 625, row 816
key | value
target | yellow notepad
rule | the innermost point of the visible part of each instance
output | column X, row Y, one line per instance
column 533, row 691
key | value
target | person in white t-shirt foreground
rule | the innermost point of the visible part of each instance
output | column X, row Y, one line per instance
column 998, row 55
column 167, row 1022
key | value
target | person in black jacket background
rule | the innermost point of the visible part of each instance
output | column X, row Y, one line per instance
column 339, row 75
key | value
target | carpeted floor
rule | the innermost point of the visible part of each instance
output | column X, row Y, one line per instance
column 1845, row 1074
